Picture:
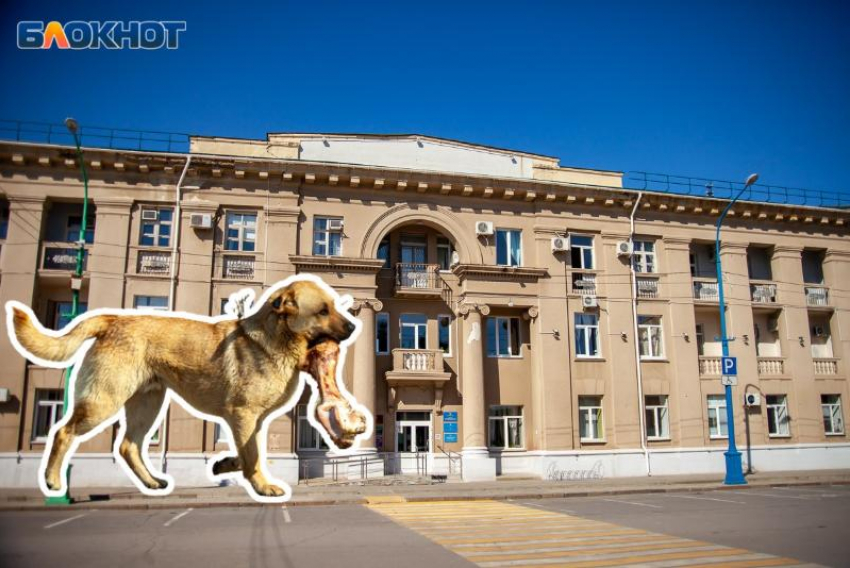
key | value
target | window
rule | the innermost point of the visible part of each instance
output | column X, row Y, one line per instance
column 650, row 338
column 590, row 419
column 156, row 436
column 508, row 247
column 700, row 339
column 833, row 420
column 47, row 412
column 158, row 303
column 444, row 334
column 587, row 335
column 581, row 251
column 717, row 424
column 382, row 333
column 4, row 221
column 308, row 437
column 72, row 230
column 327, row 236
column 156, row 231
column 503, row 337
column 62, row 313
column 413, row 331
column 657, row 418
column 384, row 251
column 241, row 231
column 777, row 415
column 644, row 256
column 444, row 253
column 506, row 427
column 220, row 435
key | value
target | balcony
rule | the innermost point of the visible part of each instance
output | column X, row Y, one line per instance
column 771, row 366
column 825, row 366
column 647, row 288
column 238, row 267
column 153, row 262
column 418, row 368
column 710, row 366
column 62, row 256
column 817, row 296
column 763, row 292
column 584, row 283
column 415, row 280
column 706, row 290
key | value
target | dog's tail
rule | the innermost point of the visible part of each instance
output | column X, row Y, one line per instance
column 59, row 349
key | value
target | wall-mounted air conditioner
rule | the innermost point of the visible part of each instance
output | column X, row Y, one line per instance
column 752, row 399
column 484, row 228
column 200, row 221
column 589, row 302
column 335, row 224
column 624, row 248
column 560, row 244
column 150, row 214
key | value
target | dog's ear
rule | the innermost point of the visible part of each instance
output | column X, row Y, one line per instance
column 285, row 304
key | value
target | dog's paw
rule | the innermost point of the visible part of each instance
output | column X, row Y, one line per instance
column 156, row 484
column 226, row 465
column 52, row 482
column 268, row 490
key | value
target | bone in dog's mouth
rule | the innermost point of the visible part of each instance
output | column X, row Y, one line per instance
column 342, row 422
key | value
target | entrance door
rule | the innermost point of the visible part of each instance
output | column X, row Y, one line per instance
column 414, row 270
column 413, row 441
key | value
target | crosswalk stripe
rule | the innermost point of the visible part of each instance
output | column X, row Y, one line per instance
column 495, row 534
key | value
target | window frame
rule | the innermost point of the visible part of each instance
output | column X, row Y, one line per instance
column 241, row 228
column 510, row 236
column 588, row 330
column 90, row 227
column 326, row 234
column 837, row 404
column 384, row 251
column 720, row 410
column 656, row 409
column 416, row 326
column 148, row 307
column 448, row 327
column 301, row 420
column 4, row 221
column 650, row 327
column 56, row 316
column 495, row 333
column 378, row 317
column 771, row 408
column 642, row 259
column 583, row 249
column 446, row 244
column 156, row 236
column 598, row 425
column 506, row 420
column 49, row 406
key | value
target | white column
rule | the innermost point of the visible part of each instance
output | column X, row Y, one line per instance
column 477, row 463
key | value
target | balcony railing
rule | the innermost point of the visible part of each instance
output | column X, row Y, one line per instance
column 417, row 360
column 817, row 296
column 706, row 290
column 826, row 366
column 584, row 284
column 771, row 366
column 61, row 256
column 647, row 288
column 710, row 366
column 416, row 275
column 157, row 262
column 238, row 267
column 763, row 293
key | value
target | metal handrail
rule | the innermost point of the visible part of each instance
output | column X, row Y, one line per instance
column 94, row 136
column 362, row 460
column 451, row 455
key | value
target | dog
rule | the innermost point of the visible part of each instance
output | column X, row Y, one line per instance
column 241, row 370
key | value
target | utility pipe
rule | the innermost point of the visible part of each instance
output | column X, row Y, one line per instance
column 639, row 374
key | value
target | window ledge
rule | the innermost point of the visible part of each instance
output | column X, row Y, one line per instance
column 505, row 450
column 835, row 434
column 591, row 359
column 659, row 439
column 499, row 356
column 593, row 441
column 779, row 436
column 654, row 360
column 718, row 437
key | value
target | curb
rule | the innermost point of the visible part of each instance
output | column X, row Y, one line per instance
column 117, row 505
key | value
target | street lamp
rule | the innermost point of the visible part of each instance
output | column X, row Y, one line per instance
column 76, row 284
column 734, row 469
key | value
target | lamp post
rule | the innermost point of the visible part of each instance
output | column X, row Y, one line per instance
column 734, row 469
column 76, row 285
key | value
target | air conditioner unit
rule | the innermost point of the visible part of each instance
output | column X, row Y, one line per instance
column 773, row 325
column 624, row 248
column 150, row 214
column 818, row 331
column 560, row 244
column 752, row 399
column 455, row 258
column 200, row 221
column 4, row 395
column 588, row 302
column 484, row 228
column 335, row 224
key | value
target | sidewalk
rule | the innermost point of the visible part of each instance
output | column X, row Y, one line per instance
column 325, row 494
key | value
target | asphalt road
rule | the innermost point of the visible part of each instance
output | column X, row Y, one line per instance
column 808, row 524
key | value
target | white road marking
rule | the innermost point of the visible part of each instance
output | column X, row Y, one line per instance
column 63, row 521
column 633, row 503
column 774, row 495
column 707, row 499
column 818, row 492
column 286, row 517
column 173, row 520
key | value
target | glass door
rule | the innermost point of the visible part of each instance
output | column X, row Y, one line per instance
column 413, row 329
column 413, row 255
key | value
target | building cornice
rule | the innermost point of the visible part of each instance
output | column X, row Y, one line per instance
column 492, row 272
column 336, row 263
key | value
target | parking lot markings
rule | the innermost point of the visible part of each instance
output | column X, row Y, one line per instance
column 63, row 521
column 173, row 520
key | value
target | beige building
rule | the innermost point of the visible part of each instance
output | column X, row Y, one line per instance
column 519, row 317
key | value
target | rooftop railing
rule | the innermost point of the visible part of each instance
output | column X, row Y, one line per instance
column 94, row 136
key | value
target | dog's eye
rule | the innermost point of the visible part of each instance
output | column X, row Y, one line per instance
column 324, row 312
column 277, row 302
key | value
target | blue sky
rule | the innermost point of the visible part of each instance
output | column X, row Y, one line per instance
column 712, row 89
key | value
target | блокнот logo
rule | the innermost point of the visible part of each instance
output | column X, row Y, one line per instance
column 100, row 35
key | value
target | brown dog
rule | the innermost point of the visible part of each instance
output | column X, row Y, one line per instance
column 240, row 370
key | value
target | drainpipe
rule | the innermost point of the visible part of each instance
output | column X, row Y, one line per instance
column 639, row 374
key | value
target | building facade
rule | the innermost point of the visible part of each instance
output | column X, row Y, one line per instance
column 519, row 317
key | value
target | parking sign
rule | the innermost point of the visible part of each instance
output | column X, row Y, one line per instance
column 729, row 365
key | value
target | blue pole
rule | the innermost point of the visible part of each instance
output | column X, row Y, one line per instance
column 734, row 467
